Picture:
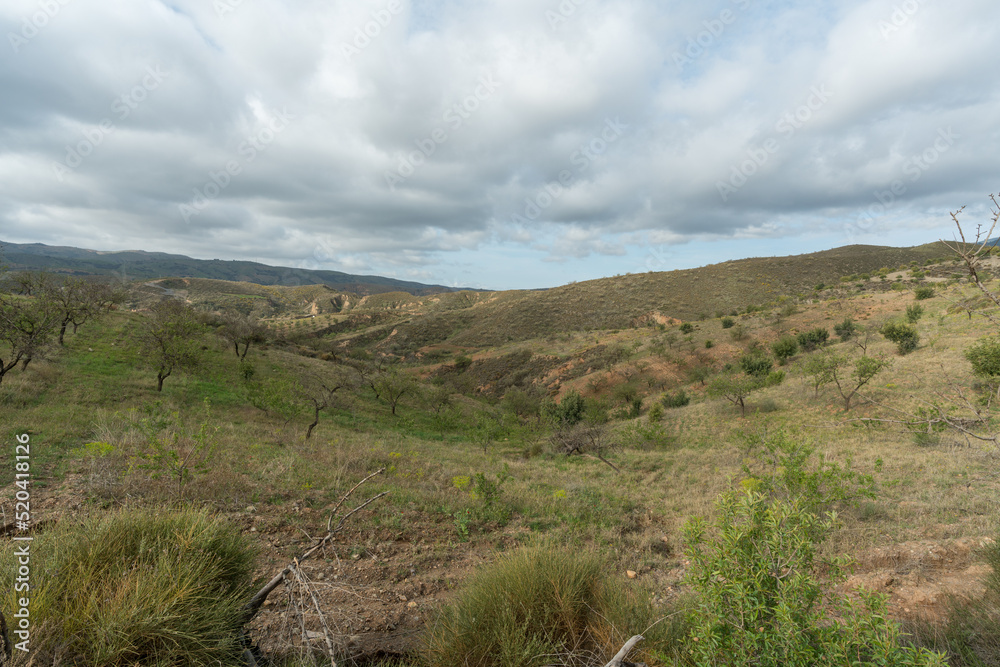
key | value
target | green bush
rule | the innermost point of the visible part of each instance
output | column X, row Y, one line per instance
column 785, row 348
column 846, row 329
column 677, row 400
column 687, row 328
column 709, row 344
column 914, row 313
column 655, row 415
column 905, row 336
column 759, row 601
column 897, row 286
column 985, row 357
column 136, row 588
column 567, row 412
column 922, row 293
column 534, row 605
column 756, row 364
column 728, row 322
column 739, row 333
column 810, row 340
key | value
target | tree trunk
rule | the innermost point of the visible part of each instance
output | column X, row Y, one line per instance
column 62, row 332
column 237, row 347
column 246, row 348
column 313, row 425
column 25, row 362
column 160, row 377
column 743, row 408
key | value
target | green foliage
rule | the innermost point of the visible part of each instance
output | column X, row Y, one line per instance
column 180, row 457
column 699, row 374
column 739, row 333
column 533, row 604
column 810, row 340
column 897, row 287
column 728, row 322
column 985, row 357
column 149, row 588
column 687, row 328
column 568, row 412
column 462, row 362
column 709, row 344
column 759, row 601
column 655, row 415
column 785, row 348
column 905, row 336
column 735, row 388
column 846, row 329
column 756, row 364
column 788, row 470
column 677, row 399
column 914, row 313
column 922, row 293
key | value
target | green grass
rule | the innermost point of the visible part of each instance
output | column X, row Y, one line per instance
column 135, row 588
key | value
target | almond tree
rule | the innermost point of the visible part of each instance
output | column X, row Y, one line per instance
column 26, row 328
column 319, row 388
column 245, row 330
column 167, row 339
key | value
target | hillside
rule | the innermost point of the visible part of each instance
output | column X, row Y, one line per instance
column 141, row 265
column 473, row 320
column 462, row 399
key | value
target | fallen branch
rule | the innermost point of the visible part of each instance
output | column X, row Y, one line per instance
column 252, row 607
column 620, row 656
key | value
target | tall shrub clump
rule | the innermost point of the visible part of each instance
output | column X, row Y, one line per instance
column 136, row 588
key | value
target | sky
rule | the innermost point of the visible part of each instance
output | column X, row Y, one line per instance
column 498, row 144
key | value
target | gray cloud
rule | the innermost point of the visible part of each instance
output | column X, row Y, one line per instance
column 421, row 135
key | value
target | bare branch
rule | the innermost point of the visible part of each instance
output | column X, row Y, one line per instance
column 252, row 607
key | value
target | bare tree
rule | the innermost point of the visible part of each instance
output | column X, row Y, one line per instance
column 974, row 251
column 393, row 385
column 319, row 390
column 240, row 329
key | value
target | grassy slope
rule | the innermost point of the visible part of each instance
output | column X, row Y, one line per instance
column 928, row 492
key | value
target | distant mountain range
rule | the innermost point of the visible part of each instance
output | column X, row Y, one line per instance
column 139, row 264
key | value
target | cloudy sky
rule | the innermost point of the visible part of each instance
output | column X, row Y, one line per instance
column 495, row 143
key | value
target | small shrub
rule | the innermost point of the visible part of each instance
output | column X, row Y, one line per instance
column 687, row 328
column 846, row 329
column 914, row 313
column 905, row 336
column 728, row 322
column 785, row 348
column 677, row 400
column 810, row 340
column 709, row 344
column 922, row 293
column 462, row 362
column 655, row 415
column 897, row 286
column 137, row 588
column 533, row 604
column 756, row 364
column 738, row 333
column 760, row 601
